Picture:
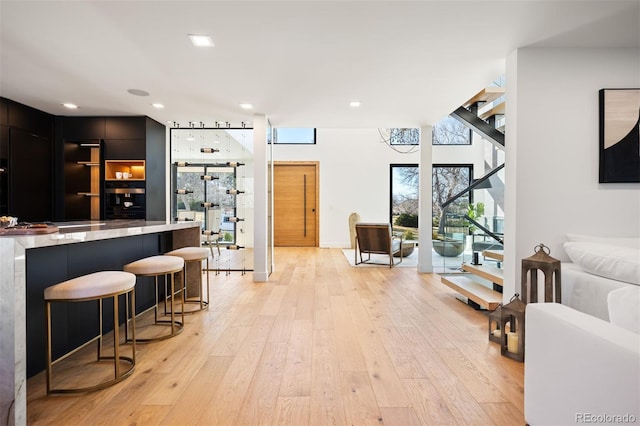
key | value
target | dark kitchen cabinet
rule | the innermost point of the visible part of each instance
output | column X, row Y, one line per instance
column 30, row 192
column 125, row 149
column 125, row 128
column 80, row 128
column 130, row 138
column 26, row 160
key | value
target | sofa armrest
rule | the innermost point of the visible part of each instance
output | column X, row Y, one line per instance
column 578, row 366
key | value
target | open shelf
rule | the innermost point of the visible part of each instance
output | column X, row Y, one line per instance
column 133, row 169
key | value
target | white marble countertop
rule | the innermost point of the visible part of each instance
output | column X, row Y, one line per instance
column 81, row 231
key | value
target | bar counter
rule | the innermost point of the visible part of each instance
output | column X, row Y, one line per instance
column 30, row 263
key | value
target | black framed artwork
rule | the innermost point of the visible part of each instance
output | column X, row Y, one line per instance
column 619, row 135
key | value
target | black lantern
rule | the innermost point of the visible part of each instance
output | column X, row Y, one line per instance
column 495, row 317
column 512, row 326
column 551, row 269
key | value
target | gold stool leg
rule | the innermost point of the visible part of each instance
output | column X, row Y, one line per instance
column 116, row 336
column 48, row 349
column 133, row 324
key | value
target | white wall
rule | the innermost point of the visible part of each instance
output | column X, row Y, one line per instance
column 354, row 176
column 552, row 151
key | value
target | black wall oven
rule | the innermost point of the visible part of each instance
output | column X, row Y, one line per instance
column 124, row 200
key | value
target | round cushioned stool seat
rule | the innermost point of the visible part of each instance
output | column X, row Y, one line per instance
column 190, row 253
column 194, row 254
column 91, row 286
column 155, row 265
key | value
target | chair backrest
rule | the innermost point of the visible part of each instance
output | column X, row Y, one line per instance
column 374, row 237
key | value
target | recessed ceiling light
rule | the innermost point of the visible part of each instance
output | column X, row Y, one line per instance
column 70, row 106
column 138, row 92
column 246, row 106
column 354, row 104
column 201, row 40
column 157, row 105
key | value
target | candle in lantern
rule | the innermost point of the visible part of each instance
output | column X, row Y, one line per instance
column 497, row 333
column 512, row 342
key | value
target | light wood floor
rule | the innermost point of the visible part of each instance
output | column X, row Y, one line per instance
column 322, row 343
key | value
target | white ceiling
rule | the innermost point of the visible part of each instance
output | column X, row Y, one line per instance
column 299, row 62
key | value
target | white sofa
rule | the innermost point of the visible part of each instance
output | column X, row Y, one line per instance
column 582, row 359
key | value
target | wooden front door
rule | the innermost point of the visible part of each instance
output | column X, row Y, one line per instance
column 295, row 204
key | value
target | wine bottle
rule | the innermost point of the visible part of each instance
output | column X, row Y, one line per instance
column 234, row 191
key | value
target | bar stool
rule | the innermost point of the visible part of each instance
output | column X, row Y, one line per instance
column 194, row 254
column 95, row 286
column 156, row 266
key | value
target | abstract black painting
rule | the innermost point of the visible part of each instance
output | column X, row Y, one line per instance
column 619, row 135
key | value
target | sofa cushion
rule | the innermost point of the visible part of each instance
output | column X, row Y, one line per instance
column 623, row 308
column 605, row 260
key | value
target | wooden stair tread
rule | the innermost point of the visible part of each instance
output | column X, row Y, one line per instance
column 494, row 254
column 496, row 110
column 487, row 94
column 491, row 273
column 473, row 290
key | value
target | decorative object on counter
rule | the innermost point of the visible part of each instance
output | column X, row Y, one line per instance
column 30, row 229
column 541, row 261
column 156, row 266
column 8, row 221
column 512, row 329
column 495, row 319
column 95, row 286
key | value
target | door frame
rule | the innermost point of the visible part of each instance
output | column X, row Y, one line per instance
column 316, row 165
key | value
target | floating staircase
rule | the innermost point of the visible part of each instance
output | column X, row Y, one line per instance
column 481, row 285
column 479, row 294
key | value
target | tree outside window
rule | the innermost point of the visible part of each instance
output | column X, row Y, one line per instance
column 450, row 131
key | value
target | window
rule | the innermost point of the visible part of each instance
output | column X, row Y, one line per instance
column 294, row 136
column 450, row 131
column 404, row 136
column 449, row 180
column 404, row 199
